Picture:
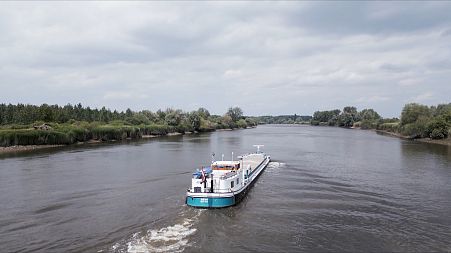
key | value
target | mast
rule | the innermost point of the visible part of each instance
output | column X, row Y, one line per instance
column 258, row 147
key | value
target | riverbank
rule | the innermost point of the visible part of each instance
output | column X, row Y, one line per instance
column 20, row 148
column 446, row 141
column 383, row 132
column 25, row 148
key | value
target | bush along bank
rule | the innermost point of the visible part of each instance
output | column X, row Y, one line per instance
column 74, row 134
column 135, row 125
column 417, row 121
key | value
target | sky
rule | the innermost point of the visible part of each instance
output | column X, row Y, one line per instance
column 269, row 58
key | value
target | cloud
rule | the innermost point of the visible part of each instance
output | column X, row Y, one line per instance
column 232, row 73
column 372, row 17
column 375, row 98
column 286, row 57
column 123, row 95
column 423, row 97
column 409, row 82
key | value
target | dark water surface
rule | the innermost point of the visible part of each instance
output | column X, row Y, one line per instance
column 328, row 189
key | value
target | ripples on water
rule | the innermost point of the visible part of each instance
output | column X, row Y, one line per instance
column 173, row 238
column 324, row 213
column 328, row 189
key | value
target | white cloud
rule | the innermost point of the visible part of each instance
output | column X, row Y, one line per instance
column 123, row 95
column 296, row 57
column 372, row 99
column 232, row 73
column 426, row 96
column 410, row 82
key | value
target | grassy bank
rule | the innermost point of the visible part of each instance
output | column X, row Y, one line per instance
column 22, row 125
column 65, row 134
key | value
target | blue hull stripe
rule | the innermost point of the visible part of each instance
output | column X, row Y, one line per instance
column 210, row 202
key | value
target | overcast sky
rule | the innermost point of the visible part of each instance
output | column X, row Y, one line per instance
column 266, row 57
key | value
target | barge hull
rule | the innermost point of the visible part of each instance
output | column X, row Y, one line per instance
column 221, row 202
column 210, row 202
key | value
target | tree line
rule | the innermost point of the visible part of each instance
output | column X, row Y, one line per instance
column 417, row 121
column 421, row 121
column 19, row 124
column 346, row 118
column 200, row 119
column 22, row 124
column 284, row 119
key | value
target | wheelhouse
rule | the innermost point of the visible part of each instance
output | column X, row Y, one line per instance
column 226, row 165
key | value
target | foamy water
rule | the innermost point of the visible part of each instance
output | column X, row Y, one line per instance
column 274, row 166
column 173, row 238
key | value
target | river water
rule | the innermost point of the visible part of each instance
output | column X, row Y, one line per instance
column 327, row 189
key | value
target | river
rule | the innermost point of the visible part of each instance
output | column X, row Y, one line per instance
column 327, row 189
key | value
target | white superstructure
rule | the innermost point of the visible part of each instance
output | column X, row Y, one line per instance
column 226, row 179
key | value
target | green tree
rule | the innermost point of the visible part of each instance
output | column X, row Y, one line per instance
column 128, row 112
column 437, row 128
column 161, row 115
column 251, row 121
column 194, row 120
column 235, row 113
column 443, row 109
column 241, row 123
column 153, row 117
column 173, row 118
column 138, row 119
column 227, row 121
column 350, row 109
column 345, row 120
column 412, row 112
column 204, row 113
column 369, row 114
column 326, row 116
column 46, row 113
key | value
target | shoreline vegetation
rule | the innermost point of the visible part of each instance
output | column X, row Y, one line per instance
column 417, row 122
column 30, row 127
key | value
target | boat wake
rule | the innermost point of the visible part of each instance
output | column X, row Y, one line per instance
column 173, row 238
column 275, row 165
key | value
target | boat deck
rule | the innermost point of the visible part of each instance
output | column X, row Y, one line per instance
column 253, row 160
column 225, row 188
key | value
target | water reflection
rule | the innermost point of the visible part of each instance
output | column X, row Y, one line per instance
column 425, row 155
column 330, row 189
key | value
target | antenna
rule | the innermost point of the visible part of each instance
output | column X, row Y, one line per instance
column 223, row 157
column 258, row 147
column 232, row 156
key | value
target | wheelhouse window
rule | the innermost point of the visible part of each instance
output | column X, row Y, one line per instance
column 232, row 184
column 237, row 181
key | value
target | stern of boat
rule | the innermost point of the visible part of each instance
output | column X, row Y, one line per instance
column 210, row 202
